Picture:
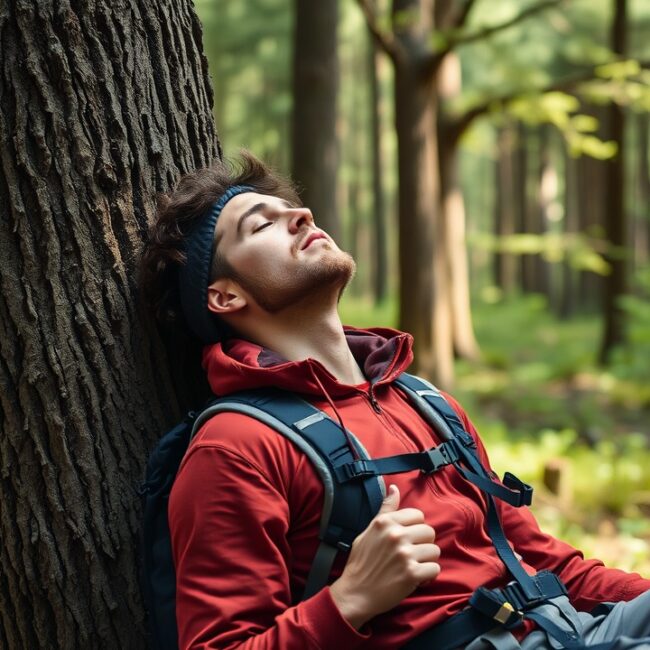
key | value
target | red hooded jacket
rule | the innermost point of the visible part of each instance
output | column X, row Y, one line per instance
column 245, row 509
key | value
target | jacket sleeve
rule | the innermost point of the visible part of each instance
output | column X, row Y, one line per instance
column 588, row 582
column 229, row 526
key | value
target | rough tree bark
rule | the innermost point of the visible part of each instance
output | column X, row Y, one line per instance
column 102, row 104
column 315, row 88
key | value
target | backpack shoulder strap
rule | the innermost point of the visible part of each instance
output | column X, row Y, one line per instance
column 442, row 417
column 435, row 408
column 348, row 507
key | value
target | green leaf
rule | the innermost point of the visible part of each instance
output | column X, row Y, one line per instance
column 619, row 69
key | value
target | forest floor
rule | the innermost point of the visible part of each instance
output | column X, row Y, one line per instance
column 579, row 433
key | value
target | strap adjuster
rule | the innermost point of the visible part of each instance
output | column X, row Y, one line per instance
column 505, row 612
column 357, row 469
column 516, row 484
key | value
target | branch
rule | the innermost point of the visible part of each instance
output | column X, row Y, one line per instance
column 455, row 127
column 460, row 124
column 461, row 18
column 385, row 40
column 485, row 32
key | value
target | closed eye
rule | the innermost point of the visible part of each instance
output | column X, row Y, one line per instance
column 264, row 225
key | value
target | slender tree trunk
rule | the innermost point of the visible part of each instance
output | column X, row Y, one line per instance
column 641, row 239
column 571, row 225
column 353, row 230
column 424, row 297
column 523, row 205
column 548, row 191
column 591, row 214
column 100, row 111
column 453, row 216
column 380, row 252
column 615, row 213
column 315, row 88
column 505, row 264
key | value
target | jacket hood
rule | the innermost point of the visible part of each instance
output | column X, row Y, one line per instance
column 236, row 364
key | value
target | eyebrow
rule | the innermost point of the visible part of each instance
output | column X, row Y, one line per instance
column 258, row 207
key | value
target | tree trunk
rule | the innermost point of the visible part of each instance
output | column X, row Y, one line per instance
column 453, row 216
column 424, row 299
column 547, row 197
column 315, row 87
column 615, row 213
column 591, row 214
column 380, row 253
column 571, row 224
column 354, row 208
column 505, row 264
column 100, row 111
column 526, row 270
column 641, row 238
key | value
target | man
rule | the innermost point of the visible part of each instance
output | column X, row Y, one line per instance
column 237, row 257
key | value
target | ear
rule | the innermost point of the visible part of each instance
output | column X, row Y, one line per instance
column 225, row 297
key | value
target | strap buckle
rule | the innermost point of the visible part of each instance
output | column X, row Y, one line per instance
column 496, row 605
column 439, row 457
column 548, row 586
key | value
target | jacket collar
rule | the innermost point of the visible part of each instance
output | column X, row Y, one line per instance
column 236, row 364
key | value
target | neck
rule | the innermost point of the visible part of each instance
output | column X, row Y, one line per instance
column 302, row 333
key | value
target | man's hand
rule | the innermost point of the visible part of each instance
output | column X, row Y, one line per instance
column 387, row 562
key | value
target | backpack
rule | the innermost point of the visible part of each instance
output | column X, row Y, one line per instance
column 353, row 484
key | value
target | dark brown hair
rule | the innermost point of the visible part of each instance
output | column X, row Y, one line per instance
column 178, row 212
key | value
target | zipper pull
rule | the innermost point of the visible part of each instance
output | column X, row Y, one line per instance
column 373, row 401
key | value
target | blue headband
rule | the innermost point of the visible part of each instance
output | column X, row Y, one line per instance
column 194, row 275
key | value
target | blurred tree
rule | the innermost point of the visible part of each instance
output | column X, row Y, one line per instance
column 641, row 232
column 100, row 111
column 315, row 87
column 505, row 264
column 249, row 45
column 616, row 222
column 380, row 259
column 453, row 208
column 417, row 52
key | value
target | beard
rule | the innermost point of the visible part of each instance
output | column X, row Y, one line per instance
column 309, row 283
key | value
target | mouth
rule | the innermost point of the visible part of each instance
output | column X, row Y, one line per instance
column 311, row 238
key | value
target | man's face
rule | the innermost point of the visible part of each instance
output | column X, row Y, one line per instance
column 279, row 255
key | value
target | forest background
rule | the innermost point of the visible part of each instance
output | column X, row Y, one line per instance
column 485, row 161
column 541, row 189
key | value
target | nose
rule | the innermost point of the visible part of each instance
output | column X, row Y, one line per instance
column 300, row 218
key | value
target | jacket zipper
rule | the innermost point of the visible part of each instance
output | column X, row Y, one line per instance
column 373, row 401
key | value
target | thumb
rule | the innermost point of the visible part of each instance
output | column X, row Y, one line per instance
column 391, row 501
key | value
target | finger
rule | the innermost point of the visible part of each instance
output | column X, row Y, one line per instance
column 408, row 516
column 427, row 571
column 420, row 534
column 423, row 553
column 391, row 501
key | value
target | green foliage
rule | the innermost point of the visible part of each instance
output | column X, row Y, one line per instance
column 538, row 396
column 609, row 489
column 361, row 312
column 581, row 252
column 631, row 362
column 248, row 44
